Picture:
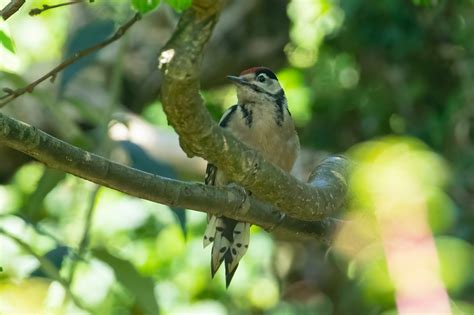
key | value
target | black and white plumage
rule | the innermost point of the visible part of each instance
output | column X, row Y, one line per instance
column 262, row 121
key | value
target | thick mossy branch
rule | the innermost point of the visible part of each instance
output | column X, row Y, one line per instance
column 200, row 135
column 229, row 201
column 331, row 179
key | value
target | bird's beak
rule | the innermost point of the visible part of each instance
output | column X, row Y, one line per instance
column 235, row 79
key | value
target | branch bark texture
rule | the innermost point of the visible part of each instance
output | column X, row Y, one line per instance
column 11, row 8
column 231, row 202
column 200, row 135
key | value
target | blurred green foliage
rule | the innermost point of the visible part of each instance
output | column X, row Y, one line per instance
column 145, row 6
column 356, row 72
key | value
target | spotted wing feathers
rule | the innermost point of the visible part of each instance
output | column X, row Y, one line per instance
column 230, row 238
column 230, row 242
column 237, row 250
column 210, row 232
column 221, row 244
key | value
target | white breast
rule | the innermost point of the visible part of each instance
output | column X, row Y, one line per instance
column 277, row 144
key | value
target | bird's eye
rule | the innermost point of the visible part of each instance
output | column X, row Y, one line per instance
column 261, row 78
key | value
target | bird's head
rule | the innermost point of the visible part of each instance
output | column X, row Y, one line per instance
column 258, row 84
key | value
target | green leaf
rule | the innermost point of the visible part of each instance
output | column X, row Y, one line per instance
column 6, row 41
column 34, row 202
column 142, row 288
column 179, row 5
column 145, row 6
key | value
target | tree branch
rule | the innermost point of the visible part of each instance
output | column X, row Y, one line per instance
column 307, row 205
column 46, row 7
column 232, row 201
column 11, row 8
column 10, row 94
column 200, row 135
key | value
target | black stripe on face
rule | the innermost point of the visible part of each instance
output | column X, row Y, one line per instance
column 247, row 115
column 258, row 89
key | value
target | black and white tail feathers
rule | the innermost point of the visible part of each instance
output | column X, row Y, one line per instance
column 230, row 238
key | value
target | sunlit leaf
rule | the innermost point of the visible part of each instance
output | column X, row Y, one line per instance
column 6, row 41
column 145, row 6
column 462, row 308
column 179, row 5
column 441, row 211
column 48, row 181
column 142, row 288
column 264, row 293
column 456, row 259
column 10, row 199
column 27, row 177
column 312, row 20
column 170, row 244
column 400, row 165
column 155, row 114
column 297, row 93
column 25, row 297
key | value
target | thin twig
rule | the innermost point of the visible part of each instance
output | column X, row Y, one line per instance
column 13, row 94
column 11, row 8
column 38, row 229
column 104, row 149
column 85, row 235
column 37, row 11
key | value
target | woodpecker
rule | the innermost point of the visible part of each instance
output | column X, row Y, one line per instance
column 261, row 120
